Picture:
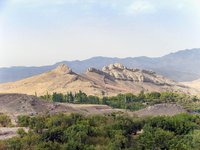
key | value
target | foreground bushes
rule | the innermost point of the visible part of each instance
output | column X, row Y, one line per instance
column 110, row 132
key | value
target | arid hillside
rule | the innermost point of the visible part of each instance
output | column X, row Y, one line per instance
column 111, row 80
column 194, row 84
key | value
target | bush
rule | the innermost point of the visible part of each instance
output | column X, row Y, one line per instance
column 5, row 121
column 23, row 121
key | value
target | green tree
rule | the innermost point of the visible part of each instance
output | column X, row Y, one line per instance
column 23, row 120
column 80, row 97
column 57, row 97
column 5, row 121
column 155, row 138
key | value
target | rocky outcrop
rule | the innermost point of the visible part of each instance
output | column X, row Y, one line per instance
column 120, row 72
column 63, row 69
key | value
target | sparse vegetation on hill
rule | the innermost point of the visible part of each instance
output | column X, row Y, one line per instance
column 193, row 84
column 113, row 132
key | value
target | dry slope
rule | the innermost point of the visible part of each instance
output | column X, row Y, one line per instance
column 194, row 84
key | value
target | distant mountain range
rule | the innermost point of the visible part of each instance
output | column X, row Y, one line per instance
column 181, row 66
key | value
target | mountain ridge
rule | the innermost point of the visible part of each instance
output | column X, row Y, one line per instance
column 179, row 66
column 109, row 81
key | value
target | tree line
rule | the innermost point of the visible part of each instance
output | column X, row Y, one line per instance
column 127, row 101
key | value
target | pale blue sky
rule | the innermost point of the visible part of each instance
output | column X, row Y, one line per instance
column 42, row 32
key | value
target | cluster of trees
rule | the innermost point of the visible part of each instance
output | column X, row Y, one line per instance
column 109, row 132
column 127, row 101
column 77, row 98
column 177, row 132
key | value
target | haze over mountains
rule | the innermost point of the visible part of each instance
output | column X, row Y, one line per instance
column 180, row 66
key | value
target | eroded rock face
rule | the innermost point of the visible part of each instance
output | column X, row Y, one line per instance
column 120, row 72
column 100, row 72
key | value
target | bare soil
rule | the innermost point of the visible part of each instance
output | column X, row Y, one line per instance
column 7, row 133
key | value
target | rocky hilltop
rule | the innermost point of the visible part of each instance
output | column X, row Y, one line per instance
column 111, row 80
column 120, row 72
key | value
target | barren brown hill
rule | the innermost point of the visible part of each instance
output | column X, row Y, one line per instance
column 22, row 104
column 61, row 79
column 111, row 80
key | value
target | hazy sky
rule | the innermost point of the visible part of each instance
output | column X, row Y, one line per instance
column 41, row 32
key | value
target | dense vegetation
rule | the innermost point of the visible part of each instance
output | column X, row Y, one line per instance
column 129, row 100
column 110, row 132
